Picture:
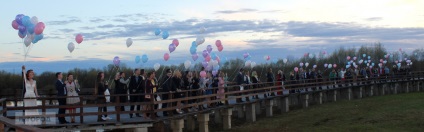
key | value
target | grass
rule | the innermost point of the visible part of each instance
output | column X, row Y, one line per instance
column 402, row 112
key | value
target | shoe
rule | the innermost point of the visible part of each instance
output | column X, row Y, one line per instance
column 104, row 118
column 131, row 116
column 101, row 120
column 108, row 118
column 138, row 115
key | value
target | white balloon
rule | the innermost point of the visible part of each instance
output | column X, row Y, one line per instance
column 187, row 64
column 285, row 60
column 129, row 42
column 253, row 64
column 306, row 64
column 200, row 40
column 34, row 20
column 71, row 47
column 247, row 63
column 156, row 66
column 315, row 66
column 311, row 56
column 210, row 64
column 202, row 30
column 330, row 65
column 27, row 41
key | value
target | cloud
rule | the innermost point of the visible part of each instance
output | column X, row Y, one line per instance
column 244, row 10
column 119, row 20
column 66, row 30
column 97, row 20
column 374, row 19
column 65, row 22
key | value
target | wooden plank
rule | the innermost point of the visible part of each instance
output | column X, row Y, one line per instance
column 11, row 123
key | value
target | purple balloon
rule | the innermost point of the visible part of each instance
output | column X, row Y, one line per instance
column 116, row 61
column 214, row 72
column 208, row 68
column 205, row 53
column 22, row 29
column 18, row 18
column 209, row 48
column 194, row 56
column 171, row 48
column 205, row 64
column 245, row 55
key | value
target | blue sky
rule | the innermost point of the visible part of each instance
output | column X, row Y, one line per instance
column 273, row 27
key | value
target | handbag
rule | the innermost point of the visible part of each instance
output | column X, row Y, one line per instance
column 147, row 96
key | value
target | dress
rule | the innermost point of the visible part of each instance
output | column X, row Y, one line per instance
column 221, row 90
column 72, row 94
column 30, row 93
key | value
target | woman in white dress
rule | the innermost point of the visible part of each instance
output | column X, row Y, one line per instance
column 72, row 93
column 30, row 95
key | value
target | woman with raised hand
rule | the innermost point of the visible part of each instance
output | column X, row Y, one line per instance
column 177, row 86
column 73, row 87
column 30, row 94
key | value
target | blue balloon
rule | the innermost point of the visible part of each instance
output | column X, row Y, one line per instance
column 213, row 56
column 364, row 55
column 372, row 64
column 391, row 56
column 223, row 60
column 26, row 21
column 193, row 50
column 144, row 58
column 137, row 59
column 30, row 28
column 216, row 67
column 157, row 31
column 348, row 63
column 366, row 61
column 37, row 38
column 194, row 44
column 165, row 34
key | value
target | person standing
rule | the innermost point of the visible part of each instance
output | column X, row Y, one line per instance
column 177, row 86
column 255, row 81
column 134, row 88
column 30, row 94
column 221, row 88
column 166, row 88
column 149, row 91
column 100, row 90
column 240, row 82
column 73, row 87
column 61, row 93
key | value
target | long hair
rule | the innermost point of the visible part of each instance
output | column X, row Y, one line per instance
column 98, row 80
column 27, row 74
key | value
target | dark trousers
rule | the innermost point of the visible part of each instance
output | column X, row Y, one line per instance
column 122, row 99
column 101, row 100
column 62, row 102
column 165, row 105
column 134, row 99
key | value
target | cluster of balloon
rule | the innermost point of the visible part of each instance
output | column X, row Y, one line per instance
column 116, row 61
column 200, row 39
column 249, row 64
column 29, row 28
column 219, row 45
column 143, row 59
column 165, row 34
column 71, row 46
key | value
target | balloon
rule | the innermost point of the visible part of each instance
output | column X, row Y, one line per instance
column 194, row 56
column 369, row 57
column 34, row 20
column 37, row 38
column 218, row 43
column 372, row 64
column 116, row 61
column 18, row 18
column 205, row 64
column 171, row 48
column 165, row 34
column 200, row 40
column 31, row 28
column 354, row 58
column 213, row 56
column 391, row 56
column 137, row 59
column 406, row 58
column 214, row 72
column 209, row 48
column 381, row 60
column 214, row 63
column 193, row 50
column 301, row 64
column 202, row 29
column 400, row 49
column 79, row 39
column 315, row 66
column 325, row 65
column 348, row 57
column 175, row 42
column 267, row 57
column 296, row 69
column 15, row 25
column 364, row 55
column 396, row 61
column 144, row 58
column 247, row 63
column 22, row 29
column 347, row 66
column 26, row 20
column 245, row 55
column 285, row 60
column 194, row 44
column 218, row 59
column 415, row 53
column 366, row 61
column 306, row 64
column 220, row 48
column 330, row 66
column 384, row 62
column 368, row 64
column 356, row 66
column 253, row 64
column 27, row 41
column 399, row 64
column 71, row 47
column 156, row 66
column 129, row 42
column 208, row 58
column 22, row 35
column 348, row 63
column 39, row 28
column 334, row 65
column 324, row 52
column 187, row 64
column 311, row 56
column 157, row 31
column 205, row 53
column 166, row 57
column 203, row 74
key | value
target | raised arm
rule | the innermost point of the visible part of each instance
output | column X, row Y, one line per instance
column 35, row 90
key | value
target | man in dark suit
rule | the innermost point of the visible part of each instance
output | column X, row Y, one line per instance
column 166, row 87
column 135, row 87
column 61, row 93
column 241, row 82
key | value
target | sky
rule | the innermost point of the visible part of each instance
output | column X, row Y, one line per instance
column 273, row 27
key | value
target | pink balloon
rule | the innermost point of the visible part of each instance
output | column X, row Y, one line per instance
column 208, row 58
column 214, row 72
column 166, row 56
column 218, row 43
column 15, row 25
column 396, row 62
column 175, row 42
column 21, row 35
column 245, row 55
column 334, row 65
column 354, row 58
column 203, row 74
column 79, row 38
column 381, row 60
column 348, row 57
column 400, row 49
column 39, row 28
column 268, row 58
column 306, row 54
column 220, row 48
column 296, row 69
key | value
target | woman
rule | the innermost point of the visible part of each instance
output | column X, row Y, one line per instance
column 195, row 86
column 177, row 86
column 255, row 81
column 30, row 94
column 221, row 88
column 207, row 83
column 101, row 90
column 72, row 93
column 151, row 87
column 292, row 81
column 333, row 76
column 279, row 78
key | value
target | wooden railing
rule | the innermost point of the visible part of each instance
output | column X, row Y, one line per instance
column 231, row 93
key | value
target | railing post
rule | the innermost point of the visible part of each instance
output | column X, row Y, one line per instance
column 360, row 92
column 217, row 117
column 118, row 108
column 320, row 97
column 81, row 106
column 269, row 104
column 284, row 102
column 349, row 93
column 407, row 87
column 334, row 95
column 203, row 120
column 250, row 112
column 227, row 118
column 305, row 102
column 177, row 125
column 43, row 109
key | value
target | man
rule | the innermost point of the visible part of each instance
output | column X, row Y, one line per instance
column 241, row 82
column 166, row 87
column 120, row 88
column 135, row 88
column 61, row 93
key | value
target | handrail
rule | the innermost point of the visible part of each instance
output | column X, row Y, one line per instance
column 11, row 123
